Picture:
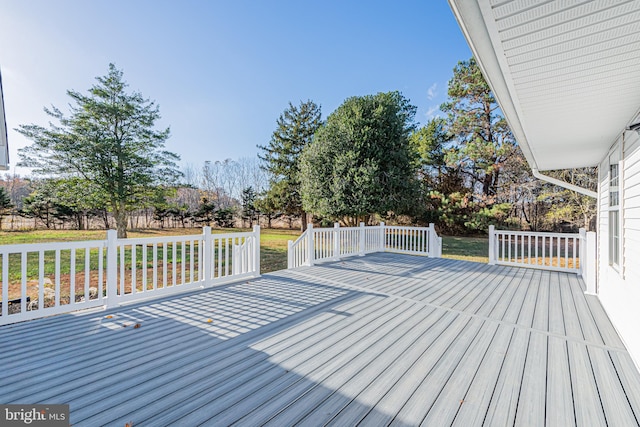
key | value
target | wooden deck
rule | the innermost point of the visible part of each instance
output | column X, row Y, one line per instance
column 378, row 340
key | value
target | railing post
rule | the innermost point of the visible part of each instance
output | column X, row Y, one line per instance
column 582, row 243
column 235, row 259
column 256, row 250
column 362, row 240
column 112, row 268
column 492, row 245
column 336, row 241
column 431, row 241
column 589, row 272
column 310, row 245
column 290, row 254
column 207, row 255
column 383, row 245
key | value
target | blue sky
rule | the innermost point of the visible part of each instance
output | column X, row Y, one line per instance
column 223, row 71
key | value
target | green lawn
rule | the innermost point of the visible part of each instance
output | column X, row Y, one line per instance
column 273, row 243
column 466, row 248
column 273, row 250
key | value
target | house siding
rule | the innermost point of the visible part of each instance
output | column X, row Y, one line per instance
column 619, row 289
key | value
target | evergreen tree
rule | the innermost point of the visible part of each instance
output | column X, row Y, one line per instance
column 482, row 134
column 361, row 162
column 5, row 204
column 248, row 205
column 108, row 139
column 296, row 129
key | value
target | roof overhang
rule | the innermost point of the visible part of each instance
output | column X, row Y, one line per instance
column 566, row 74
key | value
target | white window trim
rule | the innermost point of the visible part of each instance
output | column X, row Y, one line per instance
column 614, row 263
column 616, row 156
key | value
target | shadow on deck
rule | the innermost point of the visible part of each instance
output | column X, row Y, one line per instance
column 382, row 339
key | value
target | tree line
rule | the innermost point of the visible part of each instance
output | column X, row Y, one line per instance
column 369, row 160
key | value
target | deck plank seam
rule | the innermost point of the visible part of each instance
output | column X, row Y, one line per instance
column 512, row 332
column 475, row 284
column 491, row 293
column 417, row 359
column 499, row 321
column 476, row 340
column 353, row 357
column 626, row 393
column 442, row 355
column 532, row 289
column 495, row 385
column 319, row 383
column 413, row 343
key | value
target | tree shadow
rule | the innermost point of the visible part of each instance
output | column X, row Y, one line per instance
column 245, row 352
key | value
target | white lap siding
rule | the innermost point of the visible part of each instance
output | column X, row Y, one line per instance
column 619, row 289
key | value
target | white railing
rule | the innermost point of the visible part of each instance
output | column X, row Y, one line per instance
column 35, row 283
column 298, row 251
column 588, row 259
column 413, row 240
column 548, row 251
column 48, row 278
column 322, row 244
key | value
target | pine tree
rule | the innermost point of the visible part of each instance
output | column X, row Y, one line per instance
column 483, row 136
column 296, row 129
column 248, row 205
column 5, row 204
column 108, row 139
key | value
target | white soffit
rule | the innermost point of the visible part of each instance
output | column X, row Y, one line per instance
column 566, row 73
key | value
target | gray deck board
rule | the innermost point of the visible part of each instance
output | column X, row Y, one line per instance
column 512, row 313
column 384, row 339
column 584, row 387
column 407, row 366
column 377, row 369
column 607, row 331
column 560, row 410
column 587, row 323
column 541, row 314
column 501, row 410
column 616, row 407
column 473, row 406
column 409, row 383
column 629, row 379
column 525, row 317
column 462, row 397
column 420, row 402
column 292, row 355
column 556, row 316
column 531, row 410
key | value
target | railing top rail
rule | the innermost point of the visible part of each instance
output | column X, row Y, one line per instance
column 299, row 239
column 405, row 227
column 180, row 238
column 535, row 233
column 231, row 235
column 161, row 239
column 51, row 246
column 118, row 279
column 342, row 228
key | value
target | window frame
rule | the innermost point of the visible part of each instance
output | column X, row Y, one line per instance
column 614, row 215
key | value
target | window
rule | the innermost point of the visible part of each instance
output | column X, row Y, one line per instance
column 614, row 216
